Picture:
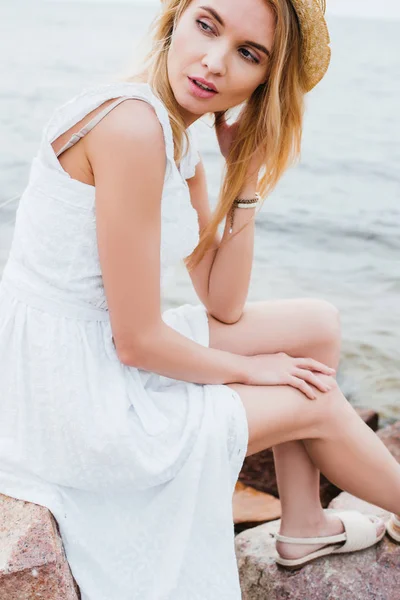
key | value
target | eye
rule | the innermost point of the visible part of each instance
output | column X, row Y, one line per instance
column 200, row 24
column 249, row 56
column 203, row 26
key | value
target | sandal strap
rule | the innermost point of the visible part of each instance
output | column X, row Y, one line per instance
column 361, row 531
column 330, row 539
column 395, row 520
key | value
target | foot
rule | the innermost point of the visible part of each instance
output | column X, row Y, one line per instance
column 330, row 525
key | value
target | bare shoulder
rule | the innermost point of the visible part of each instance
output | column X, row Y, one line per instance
column 131, row 129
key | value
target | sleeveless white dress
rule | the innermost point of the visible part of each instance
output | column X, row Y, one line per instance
column 138, row 469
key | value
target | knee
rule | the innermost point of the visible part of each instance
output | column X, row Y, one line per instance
column 326, row 318
column 332, row 407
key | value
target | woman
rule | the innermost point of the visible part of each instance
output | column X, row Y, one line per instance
column 129, row 424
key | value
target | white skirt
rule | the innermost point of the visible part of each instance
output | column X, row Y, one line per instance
column 138, row 469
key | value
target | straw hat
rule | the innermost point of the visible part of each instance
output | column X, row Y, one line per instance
column 315, row 39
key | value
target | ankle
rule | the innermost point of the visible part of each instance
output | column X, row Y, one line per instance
column 299, row 526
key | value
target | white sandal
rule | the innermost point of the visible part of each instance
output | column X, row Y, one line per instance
column 360, row 533
column 390, row 528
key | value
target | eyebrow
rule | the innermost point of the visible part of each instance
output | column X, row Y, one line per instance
column 218, row 18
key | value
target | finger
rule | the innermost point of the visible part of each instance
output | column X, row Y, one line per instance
column 312, row 378
column 301, row 385
column 314, row 365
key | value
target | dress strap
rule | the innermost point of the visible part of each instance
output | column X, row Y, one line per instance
column 92, row 123
column 73, row 111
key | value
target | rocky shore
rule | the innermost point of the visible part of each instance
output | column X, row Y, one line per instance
column 33, row 562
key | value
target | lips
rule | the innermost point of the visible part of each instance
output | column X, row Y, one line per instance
column 199, row 92
column 203, row 81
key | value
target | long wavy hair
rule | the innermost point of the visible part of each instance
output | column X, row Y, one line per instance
column 271, row 118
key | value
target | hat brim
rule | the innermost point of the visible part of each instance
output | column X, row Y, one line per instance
column 315, row 40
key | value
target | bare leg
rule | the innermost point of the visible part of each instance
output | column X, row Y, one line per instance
column 302, row 513
column 273, row 326
column 298, row 478
column 337, row 440
column 298, row 482
column 366, row 456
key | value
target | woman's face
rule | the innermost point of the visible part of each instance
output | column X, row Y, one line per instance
column 226, row 45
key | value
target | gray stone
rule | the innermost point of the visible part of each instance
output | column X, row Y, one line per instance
column 371, row 574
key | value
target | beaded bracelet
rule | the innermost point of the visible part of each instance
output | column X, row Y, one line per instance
column 242, row 203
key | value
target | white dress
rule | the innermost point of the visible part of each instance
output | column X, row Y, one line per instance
column 138, row 469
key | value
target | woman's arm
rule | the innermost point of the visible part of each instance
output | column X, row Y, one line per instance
column 230, row 274
column 222, row 283
column 127, row 154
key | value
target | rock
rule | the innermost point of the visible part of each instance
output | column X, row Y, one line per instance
column 251, row 507
column 369, row 416
column 371, row 574
column 346, row 501
column 258, row 470
column 32, row 559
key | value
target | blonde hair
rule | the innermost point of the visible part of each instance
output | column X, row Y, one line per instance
column 271, row 118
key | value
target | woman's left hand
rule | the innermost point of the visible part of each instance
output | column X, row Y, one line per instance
column 226, row 135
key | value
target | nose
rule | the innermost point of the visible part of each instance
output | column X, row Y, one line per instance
column 215, row 60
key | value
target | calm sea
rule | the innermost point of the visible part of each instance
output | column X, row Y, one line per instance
column 331, row 228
